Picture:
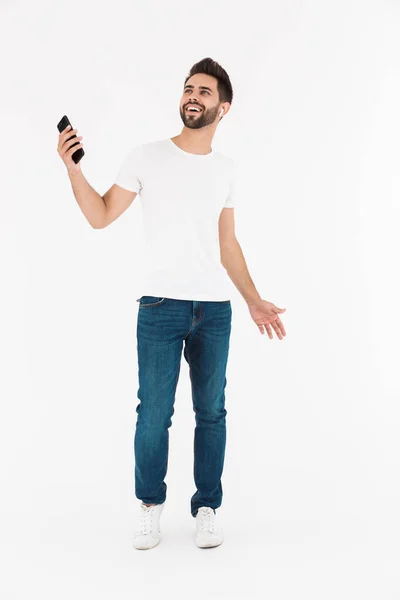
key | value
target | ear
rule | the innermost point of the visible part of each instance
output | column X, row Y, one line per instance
column 224, row 109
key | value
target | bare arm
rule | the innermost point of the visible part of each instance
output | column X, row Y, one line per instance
column 100, row 211
column 232, row 257
column 90, row 202
column 235, row 265
column 117, row 200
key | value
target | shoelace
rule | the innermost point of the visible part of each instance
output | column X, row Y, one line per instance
column 146, row 519
column 207, row 519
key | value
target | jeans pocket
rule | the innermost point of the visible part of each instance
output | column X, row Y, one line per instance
column 149, row 301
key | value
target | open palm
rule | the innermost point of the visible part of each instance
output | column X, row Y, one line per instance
column 266, row 315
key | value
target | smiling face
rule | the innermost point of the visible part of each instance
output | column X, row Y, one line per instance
column 200, row 92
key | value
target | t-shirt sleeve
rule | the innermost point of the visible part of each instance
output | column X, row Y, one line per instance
column 129, row 174
column 230, row 201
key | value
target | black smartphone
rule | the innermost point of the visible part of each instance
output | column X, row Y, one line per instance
column 78, row 154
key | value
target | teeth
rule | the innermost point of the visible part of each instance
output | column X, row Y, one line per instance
column 193, row 108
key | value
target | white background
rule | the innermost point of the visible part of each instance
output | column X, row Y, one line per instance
column 311, row 479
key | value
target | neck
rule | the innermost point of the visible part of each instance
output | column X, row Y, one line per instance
column 195, row 141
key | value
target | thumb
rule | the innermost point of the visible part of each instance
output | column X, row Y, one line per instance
column 279, row 310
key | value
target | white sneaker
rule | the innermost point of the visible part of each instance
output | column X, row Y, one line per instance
column 208, row 534
column 148, row 532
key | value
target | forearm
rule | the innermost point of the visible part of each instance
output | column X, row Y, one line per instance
column 234, row 262
column 91, row 203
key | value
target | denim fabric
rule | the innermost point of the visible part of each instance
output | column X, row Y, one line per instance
column 202, row 329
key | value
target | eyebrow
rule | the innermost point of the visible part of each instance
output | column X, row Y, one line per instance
column 202, row 87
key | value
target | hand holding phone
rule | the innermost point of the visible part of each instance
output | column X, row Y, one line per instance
column 70, row 151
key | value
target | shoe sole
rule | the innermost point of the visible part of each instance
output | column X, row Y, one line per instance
column 148, row 547
column 208, row 544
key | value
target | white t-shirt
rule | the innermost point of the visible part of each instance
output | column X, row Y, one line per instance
column 182, row 195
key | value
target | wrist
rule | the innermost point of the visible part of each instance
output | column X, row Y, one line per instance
column 253, row 300
column 72, row 174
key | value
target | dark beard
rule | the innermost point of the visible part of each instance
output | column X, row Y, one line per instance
column 207, row 117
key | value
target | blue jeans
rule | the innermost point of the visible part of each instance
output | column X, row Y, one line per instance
column 163, row 325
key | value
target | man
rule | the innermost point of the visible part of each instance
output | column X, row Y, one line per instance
column 187, row 192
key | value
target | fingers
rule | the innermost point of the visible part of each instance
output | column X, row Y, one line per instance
column 278, row 328
column 268, row 330
column 67, row 132
column 68, row 144
column 67, row 141
column 73, row 146
column 280, row 325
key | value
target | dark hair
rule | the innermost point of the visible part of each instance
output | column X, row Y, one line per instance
column 211, row 67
